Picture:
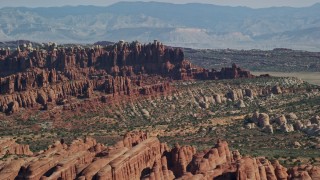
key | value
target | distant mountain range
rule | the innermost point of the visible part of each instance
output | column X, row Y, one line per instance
column 188, row 25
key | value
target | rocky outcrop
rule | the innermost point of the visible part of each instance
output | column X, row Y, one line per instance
column 217, row 98
column 235, row 95
column 138, row 156
column 134, row 138
column 160, row 171
column 8, row 146
column 119, row 59
column 211, row 163
column 180, row 158
column 132, row 164
column 276, row 90
column 286, row 127
column 248, row 168
column 41, row 97
column 61, row 161
column 292, row 116
column 281, row 120
column 263, row 120
column 260, row 168
column 241, row 104
column 304, row 172
column 11, row 170
column 288, row 123
column 57, row 93
column 234, row 72
column 250, row 93
column 99, row 163
column 42, row 78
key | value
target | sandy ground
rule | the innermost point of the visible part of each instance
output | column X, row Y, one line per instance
column 311, row 77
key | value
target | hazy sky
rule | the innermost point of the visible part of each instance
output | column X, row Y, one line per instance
column 250, row 3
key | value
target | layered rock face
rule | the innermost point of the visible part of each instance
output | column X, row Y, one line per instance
column 119, row 59
column 9, row 146
column 138, row 156
column 135, row 157
column 40, row 78
column 213, row 162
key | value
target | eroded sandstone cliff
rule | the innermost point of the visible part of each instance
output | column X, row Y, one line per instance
column 138, row 156
column 48, row 76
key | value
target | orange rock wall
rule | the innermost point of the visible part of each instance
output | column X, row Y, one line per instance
column 140, row 157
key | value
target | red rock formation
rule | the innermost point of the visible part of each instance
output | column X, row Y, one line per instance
column 304, row 172
column 212, row 163
column 247, row 168
column 131, row 165
column 280, row 171
column 9, row 146
column 11, row 170
column 260, row 168
column 60, row 161
column 234, row 72
column 119, row 59
column 140, row 157
column 180, row 158
column 56, row 93
column 100, row 163
column 43, row 78
column 134, row 138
